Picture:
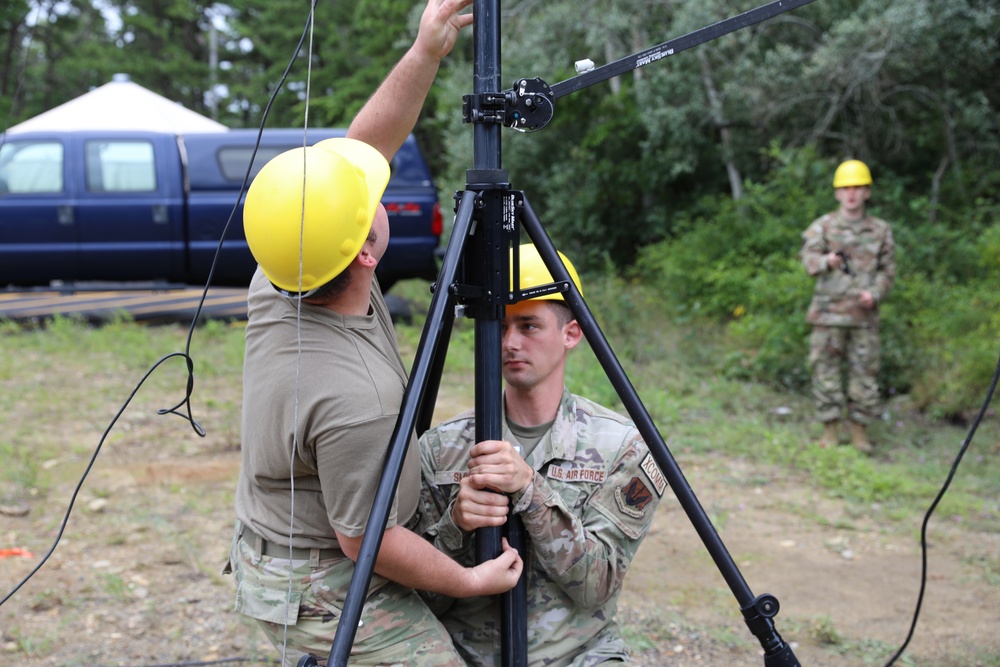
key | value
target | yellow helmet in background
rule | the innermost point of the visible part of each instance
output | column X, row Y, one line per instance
column 852, row 172
column 535, row 273
column 309, row 210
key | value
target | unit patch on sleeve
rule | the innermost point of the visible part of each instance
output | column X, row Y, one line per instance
column 633, row 497
column 656, row 477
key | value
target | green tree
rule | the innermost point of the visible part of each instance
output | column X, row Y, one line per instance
column 14, row 33
column 910, row 86
column 53, row 53
column 585, row 173
column 166, row 46
column 907, row 86
column 353, row 47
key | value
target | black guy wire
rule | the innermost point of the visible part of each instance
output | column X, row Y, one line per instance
column 186, row 401
column 90, row 465
column 937, row 499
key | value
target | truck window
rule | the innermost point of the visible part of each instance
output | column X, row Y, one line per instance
column 407, row 168
column 31, row 167
column 234, row 160
column 120, row 166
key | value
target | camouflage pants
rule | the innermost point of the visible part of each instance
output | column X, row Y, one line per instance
column 830, row 350
column 396, row 628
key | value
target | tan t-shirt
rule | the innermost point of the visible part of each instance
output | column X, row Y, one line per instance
column 344, row 391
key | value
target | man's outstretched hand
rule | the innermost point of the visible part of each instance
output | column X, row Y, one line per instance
column 439, row 27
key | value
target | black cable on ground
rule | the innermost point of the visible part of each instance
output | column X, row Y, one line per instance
column 927, row 517
column 186, row 401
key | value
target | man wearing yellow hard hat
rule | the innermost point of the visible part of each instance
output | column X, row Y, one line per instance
column 852, row 256
column 577, row 474
column 322, row 388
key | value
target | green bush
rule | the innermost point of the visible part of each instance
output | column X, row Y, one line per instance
column 771, row 334
column 735, row 264
column 954, row 336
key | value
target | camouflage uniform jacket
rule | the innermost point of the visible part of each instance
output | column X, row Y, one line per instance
column 870, row 251
column 585, row 513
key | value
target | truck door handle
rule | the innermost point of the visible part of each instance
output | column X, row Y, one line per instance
column 66, row 215
column 160, row 216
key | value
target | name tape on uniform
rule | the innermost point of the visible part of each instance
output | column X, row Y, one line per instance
column 572, row 473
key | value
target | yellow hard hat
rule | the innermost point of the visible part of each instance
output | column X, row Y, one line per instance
column 534, row 272
column 852, row 172
column 304, row 234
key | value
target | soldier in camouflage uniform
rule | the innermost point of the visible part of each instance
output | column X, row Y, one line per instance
column 586, row 490
column 323, row 384
column 851, row 255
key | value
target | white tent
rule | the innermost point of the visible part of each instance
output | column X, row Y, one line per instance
column 120, row 105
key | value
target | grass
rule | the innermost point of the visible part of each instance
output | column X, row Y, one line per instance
column 115, row 587
column 62, row 383
column 69, row 368
column 699, row 410
column 677, row 375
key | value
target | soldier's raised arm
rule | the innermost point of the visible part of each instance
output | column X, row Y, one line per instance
column 392, row 111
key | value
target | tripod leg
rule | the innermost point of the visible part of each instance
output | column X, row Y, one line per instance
column 423, row 362
column 428, row 397
column 429, row 390
column 757, row 611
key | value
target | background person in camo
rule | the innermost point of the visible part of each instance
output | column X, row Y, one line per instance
column 322, row 387
column 851, row 255
column 578, row 475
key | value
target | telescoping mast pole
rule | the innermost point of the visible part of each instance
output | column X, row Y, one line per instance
column 489, row 269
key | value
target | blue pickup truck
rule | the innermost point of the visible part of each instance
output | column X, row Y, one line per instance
column 88, row 206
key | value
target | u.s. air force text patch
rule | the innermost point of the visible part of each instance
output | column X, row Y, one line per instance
column 576, row 473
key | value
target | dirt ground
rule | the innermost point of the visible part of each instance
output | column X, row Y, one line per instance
column 136, row 577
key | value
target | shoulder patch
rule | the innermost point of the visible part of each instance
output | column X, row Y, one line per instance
column 633, row 497
column 652, row 471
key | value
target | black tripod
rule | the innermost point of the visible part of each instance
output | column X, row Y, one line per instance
column 476, row 273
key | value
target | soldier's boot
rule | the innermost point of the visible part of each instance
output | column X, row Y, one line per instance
column 859, row 436
column 830, row 434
